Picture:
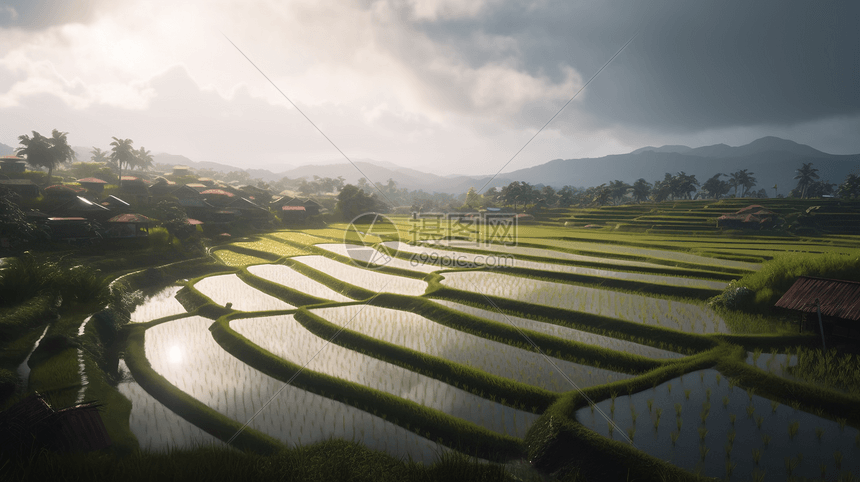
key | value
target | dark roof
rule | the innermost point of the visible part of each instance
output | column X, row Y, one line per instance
column 18, row 182
column 114, row 201
column 246, row 204
column 839, row 298
column 193, row 203
column 81, row 204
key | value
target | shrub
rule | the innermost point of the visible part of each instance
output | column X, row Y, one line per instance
column 26, row 276
column 50, row 346
column 759, row 291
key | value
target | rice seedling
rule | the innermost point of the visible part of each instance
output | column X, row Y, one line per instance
column 719, row 377
column 678, row 409
column 756, row 455
column 792, row 429
column 823, row 468
column 674, row 436
column 819, row 432
column 732, row 418
column 707, row 394
column 687, row 393
column 750, row 410
column 631, row 432
column 650, row 403
column 679, row 423
column 703, row 451
column 726, row 402
column 841, row 421
column 758, row 475
column 611, row 428
column 669, row 387
column 730, row 466
column 758, row 421
column 790, row 465
column 837, row 459
column 773, row 406
column 702, row 433
column 765, row 438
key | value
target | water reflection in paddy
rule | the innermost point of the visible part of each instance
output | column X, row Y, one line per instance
column 184, row 352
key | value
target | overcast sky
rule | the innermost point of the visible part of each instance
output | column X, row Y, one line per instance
column 437, row 85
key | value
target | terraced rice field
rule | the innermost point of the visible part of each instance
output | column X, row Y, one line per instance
column 420, row 334
column 685, row 317
column 364, row 278
column 475, row 372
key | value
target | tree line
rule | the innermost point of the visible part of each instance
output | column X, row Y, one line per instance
column 52, row 152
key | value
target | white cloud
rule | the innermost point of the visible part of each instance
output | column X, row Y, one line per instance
column 162, row 74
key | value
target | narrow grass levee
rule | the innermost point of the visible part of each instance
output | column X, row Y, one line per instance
column 265, row 255
column 578, row 319
column 283, row 293
column 573, row 351
column 168, row 273
column 516, row 395
column 737, row 272
column 188, row 407
column 430, row 423
column 814, row 399
column 559, row 444
column 641, row 287
column 335, row 284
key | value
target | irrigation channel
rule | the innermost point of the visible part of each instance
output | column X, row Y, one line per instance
column 445, row 359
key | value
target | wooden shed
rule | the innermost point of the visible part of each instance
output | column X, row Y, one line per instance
column 839, row 300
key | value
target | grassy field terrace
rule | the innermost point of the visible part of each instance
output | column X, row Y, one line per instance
column 573, row 354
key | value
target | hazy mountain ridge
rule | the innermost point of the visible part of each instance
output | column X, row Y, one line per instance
column 771, row 160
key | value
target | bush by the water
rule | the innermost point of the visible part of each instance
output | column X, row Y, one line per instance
column 760, row 290
column 27, row 276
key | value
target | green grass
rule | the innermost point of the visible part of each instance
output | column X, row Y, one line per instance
column 777, row 276
column 333, row 460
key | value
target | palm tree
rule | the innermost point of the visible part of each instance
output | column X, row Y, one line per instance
column 806, row 175
column 742, row 179
column 143, row 159
column 38, row 151
column 747, row 181
column 98, row 155
column 640, row 190
column 716, row 187
column 122, row 153
column 60, row 149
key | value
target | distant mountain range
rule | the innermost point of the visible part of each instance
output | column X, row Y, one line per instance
column 771, row 161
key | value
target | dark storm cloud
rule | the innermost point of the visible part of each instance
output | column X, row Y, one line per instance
column 694, row 65
column 40, row 14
